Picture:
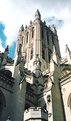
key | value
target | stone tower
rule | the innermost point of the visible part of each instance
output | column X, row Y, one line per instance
column 37, row 59
column 37, row 39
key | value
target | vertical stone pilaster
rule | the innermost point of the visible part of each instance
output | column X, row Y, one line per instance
column 37, row 38
column 57, row 105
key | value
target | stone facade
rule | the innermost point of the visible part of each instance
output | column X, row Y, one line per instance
column 36, row 84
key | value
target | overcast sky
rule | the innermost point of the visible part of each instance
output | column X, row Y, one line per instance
column 14, row 13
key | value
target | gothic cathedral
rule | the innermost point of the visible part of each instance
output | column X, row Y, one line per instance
column 36, row 85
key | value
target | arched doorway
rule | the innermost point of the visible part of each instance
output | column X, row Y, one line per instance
column 2, row 102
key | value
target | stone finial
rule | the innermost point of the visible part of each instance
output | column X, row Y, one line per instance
column 30, row 22
column 67, row 48
column 44, row 22
column 53, row 28
column 68, row 53
column 37, row 15
column 26, row 27
column 7, row 49
column 22, row 28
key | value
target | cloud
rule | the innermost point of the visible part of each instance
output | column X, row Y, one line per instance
column 54, row 4
column 53, row 20
column 64, row 37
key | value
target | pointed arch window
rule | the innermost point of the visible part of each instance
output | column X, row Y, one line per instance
column 27, row 36
column 69, row 101
column 43, row 53
column 25, row 57
column 31, row 56
column 32, row 32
